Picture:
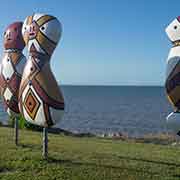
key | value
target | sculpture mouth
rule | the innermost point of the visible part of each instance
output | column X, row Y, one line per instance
column 176, row 43
column 8, row 39
column 32, row 35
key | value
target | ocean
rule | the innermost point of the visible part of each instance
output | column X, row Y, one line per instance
column 132, row 110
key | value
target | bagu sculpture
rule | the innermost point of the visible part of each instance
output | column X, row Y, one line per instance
column 11, row 70
column 40, row 99
column 173, row 75
column 12, row 66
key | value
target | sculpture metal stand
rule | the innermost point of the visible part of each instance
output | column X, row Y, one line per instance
column 45, row 142
column 16, row 127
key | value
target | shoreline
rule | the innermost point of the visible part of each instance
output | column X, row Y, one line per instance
column 161, row 138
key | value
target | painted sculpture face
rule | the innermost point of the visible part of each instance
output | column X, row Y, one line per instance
column 12, row 66
column 41, row 33
column 173, row 31
column 13, row 38
column 40, row 99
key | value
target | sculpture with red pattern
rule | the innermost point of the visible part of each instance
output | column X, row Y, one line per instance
column 11, row 67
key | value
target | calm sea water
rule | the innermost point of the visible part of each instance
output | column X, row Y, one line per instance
column 135, row 111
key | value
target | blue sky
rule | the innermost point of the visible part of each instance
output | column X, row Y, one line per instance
column 119, row 42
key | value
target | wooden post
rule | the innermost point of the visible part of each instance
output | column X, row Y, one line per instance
column 45, row 142
column 16, row 128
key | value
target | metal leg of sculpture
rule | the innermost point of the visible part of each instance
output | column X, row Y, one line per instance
column 16, row 130
column 45, row 142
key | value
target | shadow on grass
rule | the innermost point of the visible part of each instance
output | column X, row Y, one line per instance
column 177, row 176
column 32, row 146
column 117, row 168
column 5, row 170
column 150, row 161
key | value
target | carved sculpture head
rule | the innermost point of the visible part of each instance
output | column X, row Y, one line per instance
column 13, row 37
column 173, row 31
column 41, row 33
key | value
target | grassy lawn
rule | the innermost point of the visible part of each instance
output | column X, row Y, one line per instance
column 85, row 158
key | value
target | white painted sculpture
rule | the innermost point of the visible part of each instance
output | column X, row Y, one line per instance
column 40, row 99
column 173, row 75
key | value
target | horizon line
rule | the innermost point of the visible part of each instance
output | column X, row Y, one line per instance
column 135, row 85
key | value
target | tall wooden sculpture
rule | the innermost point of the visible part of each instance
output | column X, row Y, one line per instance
column 173, row 75
column 40, row 99
column 12, row 66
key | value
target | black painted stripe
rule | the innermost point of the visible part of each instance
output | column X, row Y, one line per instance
column 172, row 83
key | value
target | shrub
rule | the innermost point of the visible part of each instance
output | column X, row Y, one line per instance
column 23, row 124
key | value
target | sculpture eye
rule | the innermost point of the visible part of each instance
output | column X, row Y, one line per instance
column 4, row 33
column 175, row 27
column 42, row 28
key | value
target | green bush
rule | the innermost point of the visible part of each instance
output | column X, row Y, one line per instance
column 23, row 123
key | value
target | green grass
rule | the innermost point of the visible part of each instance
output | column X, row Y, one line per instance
column 85, row 158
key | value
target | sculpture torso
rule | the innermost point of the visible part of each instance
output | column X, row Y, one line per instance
column 173, row 77
column 10, row 78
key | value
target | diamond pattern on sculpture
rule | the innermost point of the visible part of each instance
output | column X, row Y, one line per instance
column 7, row 94
column 31, row 104
column 7, row 68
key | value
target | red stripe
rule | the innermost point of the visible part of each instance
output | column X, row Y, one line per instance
column 14, row 84
column 2, row 81
column 13, row 105
column 47, row 115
